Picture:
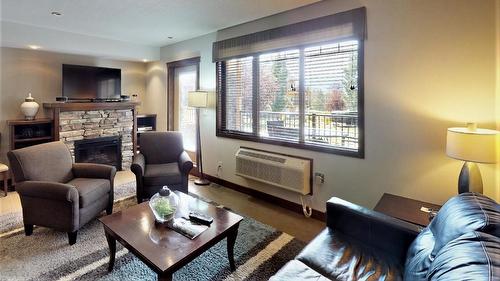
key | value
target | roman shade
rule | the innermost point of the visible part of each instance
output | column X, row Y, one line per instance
column 341, row 26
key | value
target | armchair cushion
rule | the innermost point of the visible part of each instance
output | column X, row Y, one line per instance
column 162, row 174
column 47, row 190
column 51, row 162
column 90, row 190
column 90, row 170
column 161, row 147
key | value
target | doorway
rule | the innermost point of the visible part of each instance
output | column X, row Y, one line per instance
column 183, row 77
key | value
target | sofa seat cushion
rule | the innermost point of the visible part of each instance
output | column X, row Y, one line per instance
column 162, row 174
column 296, row 270
column 90, row 190
column 472, row 256
column 344, row 259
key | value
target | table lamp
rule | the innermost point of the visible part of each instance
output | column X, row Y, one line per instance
column 198, row 99
column 471, row 145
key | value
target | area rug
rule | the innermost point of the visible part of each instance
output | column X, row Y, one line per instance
column 260, row 251
column 12, row 221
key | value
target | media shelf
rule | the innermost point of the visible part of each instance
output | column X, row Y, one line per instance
column 145, row 123
column 24, row 133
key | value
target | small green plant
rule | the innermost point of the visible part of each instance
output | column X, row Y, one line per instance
column 162, row 208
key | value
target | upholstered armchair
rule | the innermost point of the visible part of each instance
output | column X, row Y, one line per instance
column 161, row 161
column 57, row 193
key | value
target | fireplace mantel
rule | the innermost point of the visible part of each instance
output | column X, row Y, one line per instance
column 75, row 121
column 71, row 106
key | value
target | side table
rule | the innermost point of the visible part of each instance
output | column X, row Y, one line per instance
column 405, row 209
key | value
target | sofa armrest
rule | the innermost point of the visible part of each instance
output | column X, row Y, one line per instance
column 97, row 171
column 138, row 165
column 185, row 163
column 48, row 190
column 391, row 235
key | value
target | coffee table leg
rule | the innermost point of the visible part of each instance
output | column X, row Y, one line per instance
column 165, row 277
column 112, row 250
column 231, row 239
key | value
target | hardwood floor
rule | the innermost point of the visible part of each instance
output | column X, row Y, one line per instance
column 280, row 218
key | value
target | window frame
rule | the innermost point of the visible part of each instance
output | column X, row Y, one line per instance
column 254, row 137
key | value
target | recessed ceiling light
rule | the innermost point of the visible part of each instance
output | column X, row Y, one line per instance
column 34, row 47
column 56, row 13
column 170, row 37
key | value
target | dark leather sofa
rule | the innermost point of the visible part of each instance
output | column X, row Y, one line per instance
column 461, row 243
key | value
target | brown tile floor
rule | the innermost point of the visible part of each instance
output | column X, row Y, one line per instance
column 282, row 219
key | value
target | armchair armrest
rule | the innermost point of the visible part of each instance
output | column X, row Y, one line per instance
column 138, row 165
column 391, row 235
column 48, row 190
column 90, row 170
column 185, row 163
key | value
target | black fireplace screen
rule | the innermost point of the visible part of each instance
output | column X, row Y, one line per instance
column 106, row 150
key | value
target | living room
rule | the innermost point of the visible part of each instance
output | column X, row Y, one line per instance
column 366, row 102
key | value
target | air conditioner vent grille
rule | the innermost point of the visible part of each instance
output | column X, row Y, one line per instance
column 263, row 156
column 286, row 172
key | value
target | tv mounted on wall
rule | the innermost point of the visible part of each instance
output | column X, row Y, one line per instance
column 89, row 83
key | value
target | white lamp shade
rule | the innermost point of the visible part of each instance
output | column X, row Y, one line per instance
column 197, row 99
column 477, row 145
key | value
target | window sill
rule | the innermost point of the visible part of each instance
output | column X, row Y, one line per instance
column 305, row 146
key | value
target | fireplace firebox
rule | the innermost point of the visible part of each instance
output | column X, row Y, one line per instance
column 104, row 150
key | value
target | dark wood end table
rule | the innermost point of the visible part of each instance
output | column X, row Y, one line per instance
column 405, row 209
column 165, row 250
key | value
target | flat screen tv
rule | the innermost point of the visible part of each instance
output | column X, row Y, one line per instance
column 89, row 83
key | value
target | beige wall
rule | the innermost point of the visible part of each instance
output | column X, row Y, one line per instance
column 156, row 99
column 40, row 72
column 429, row 65
column 497, row 9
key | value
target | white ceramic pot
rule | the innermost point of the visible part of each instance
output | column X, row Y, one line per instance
column 29, row 107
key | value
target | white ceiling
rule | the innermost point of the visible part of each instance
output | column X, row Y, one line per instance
column 147, row 23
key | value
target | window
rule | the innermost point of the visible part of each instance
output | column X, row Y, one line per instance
column 328, row 118
column 299, row 85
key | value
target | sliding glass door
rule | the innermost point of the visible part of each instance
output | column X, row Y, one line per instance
column 185, row 117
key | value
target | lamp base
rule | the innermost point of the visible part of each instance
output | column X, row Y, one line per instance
column 202, row 181
column 470, row 179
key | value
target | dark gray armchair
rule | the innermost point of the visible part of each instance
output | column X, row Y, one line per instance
column 161, row 161
column 57, row 193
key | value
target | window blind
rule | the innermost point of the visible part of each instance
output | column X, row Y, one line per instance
column 341, row 26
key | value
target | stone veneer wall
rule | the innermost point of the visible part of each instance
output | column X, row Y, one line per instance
column 79, row 125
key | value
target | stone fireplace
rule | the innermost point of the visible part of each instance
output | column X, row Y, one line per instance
column 81, row 123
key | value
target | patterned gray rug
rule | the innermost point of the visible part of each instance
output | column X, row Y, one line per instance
column 14, row 220
column 260, row 251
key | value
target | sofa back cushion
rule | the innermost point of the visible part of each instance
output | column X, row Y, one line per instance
column 472, row 256
column 44, row 162
column 418, row 258
column 462, row 214
column 161, row 147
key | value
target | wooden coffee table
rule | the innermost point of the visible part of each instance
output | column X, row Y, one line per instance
column 162, row 249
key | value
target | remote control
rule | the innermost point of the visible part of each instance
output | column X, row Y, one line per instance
column 200, row 218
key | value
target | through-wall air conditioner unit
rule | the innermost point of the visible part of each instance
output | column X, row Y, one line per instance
column 288, row 172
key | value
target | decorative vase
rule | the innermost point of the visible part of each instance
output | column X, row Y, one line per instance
column 164, row 204
column 29, row 107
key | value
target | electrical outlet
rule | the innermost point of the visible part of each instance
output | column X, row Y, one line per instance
column 319, row 177
column 219, row 169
